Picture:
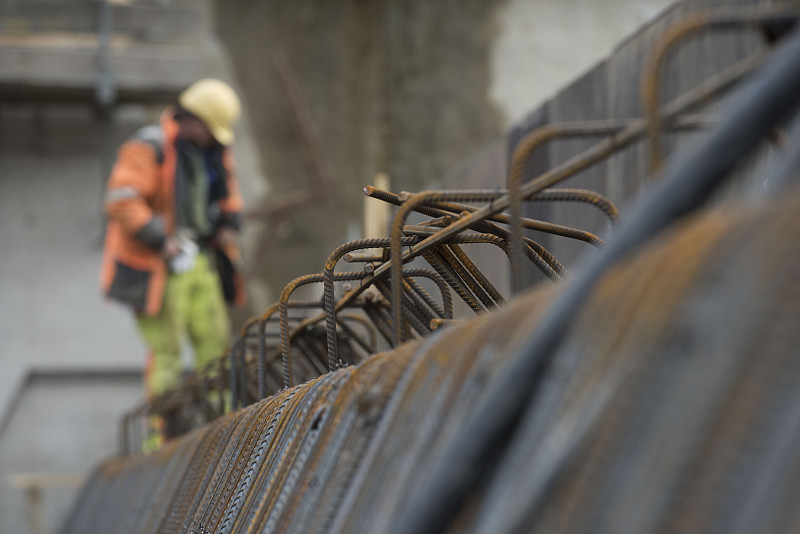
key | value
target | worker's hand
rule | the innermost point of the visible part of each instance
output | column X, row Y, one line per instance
column 226, row 236
column 171, row 247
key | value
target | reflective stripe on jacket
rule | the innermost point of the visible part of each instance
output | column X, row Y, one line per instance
column 140, row 204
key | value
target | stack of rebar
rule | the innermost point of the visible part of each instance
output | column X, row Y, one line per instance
column 655, row 391
column 671, row 406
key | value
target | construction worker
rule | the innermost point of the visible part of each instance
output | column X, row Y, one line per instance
column 173, row 208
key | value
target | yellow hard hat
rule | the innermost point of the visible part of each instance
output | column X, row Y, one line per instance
column 215, row 103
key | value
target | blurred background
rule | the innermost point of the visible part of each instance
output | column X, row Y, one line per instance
column 334, row 94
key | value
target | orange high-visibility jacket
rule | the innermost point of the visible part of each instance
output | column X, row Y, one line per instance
column 140, row 204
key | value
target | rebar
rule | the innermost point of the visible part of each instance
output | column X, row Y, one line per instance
column 283, row 312
column 328, row 290
column 434, row 259
column 692, row 24
column 765, row 100
column 589, row 157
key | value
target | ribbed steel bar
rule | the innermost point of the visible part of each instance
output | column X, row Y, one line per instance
column 479, row 285
column 240, row 361
column 410, row 314
column 408, row 205
column 767, row 98
column 262, row 349
column 539, row 256
column 479, row 277
column 586, row 196
column 533, row 141
column 463, row 274
column 586, row 159
column 530, row 224
column 371, row 346
column 221, row 385
column 727, row 18
column 447, row 300
column 362, row 258
column 537, row 253
column 545, row 263
column 379, row 315
column 262, row 358
column 417, row 304
column 396, row 255
column 283, row 312
column 443, row 209
column 367, row 325
column 434, row 259
column 440, row 310
column 233, row 379
column 313, row 356
column 328, row 289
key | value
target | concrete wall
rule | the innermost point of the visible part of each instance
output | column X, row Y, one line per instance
column 543, row 45
column 396, row 87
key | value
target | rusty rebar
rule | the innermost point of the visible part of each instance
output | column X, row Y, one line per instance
column 370, row 346
column 362, row 258
column 479, row 277
column 539, row 256
column 462, row 273
column 411, row 314
column 525, row 149
column 693, row 23
column 585, row 196
column 396, row 256
column 328, row 289
column 546, row 263
column 586, row 158
column 283, row 312
column 435, row 260
column 767, row 99
column 448, row 211
column 441, row 311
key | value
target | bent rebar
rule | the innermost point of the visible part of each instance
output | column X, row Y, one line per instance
column 691, row 24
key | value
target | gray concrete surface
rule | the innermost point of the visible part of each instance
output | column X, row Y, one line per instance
column 544, row 44
column 60, row 425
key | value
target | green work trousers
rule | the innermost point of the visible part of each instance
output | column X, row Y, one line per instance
column 193, row 305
